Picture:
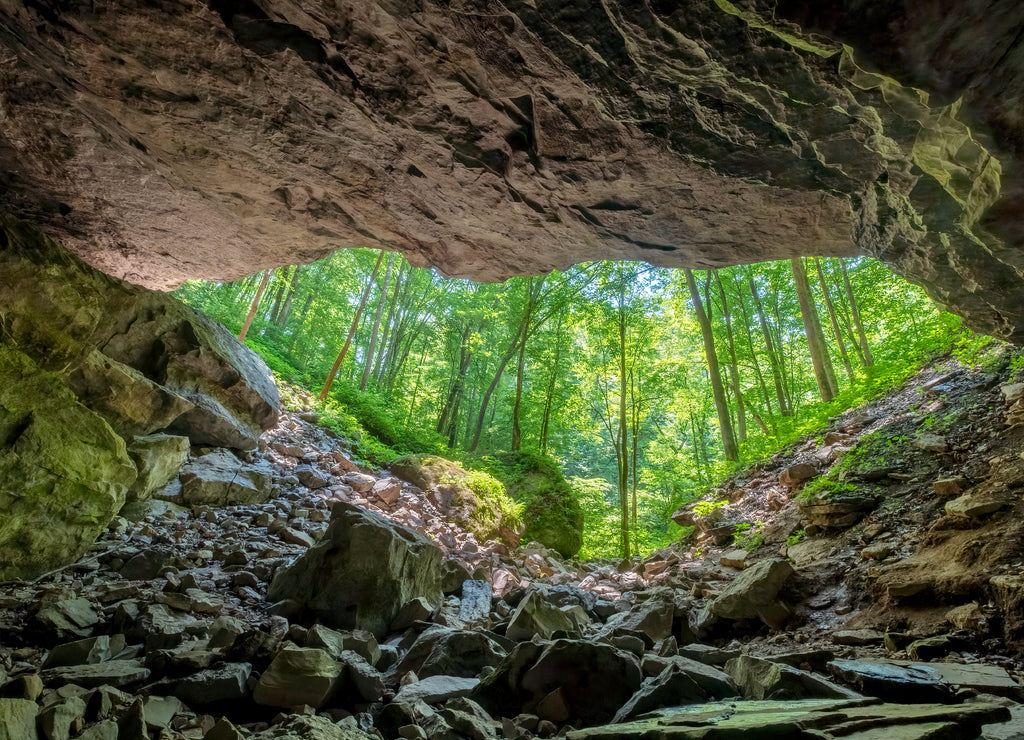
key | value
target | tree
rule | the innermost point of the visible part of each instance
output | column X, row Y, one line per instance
column 714, row 373
column 352, row 330
column 824, row 374
column 255, row 304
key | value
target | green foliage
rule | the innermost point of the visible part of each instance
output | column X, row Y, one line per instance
column 492, row 493
column 826, row 487
column 703, row 508
column 796, row 537
column 551, row 506
column 598, row 334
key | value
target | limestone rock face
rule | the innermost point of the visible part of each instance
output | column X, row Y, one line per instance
column 495, row 139
column 89, row 363
column 364, row 570
column 64, row 473
column 142, row 360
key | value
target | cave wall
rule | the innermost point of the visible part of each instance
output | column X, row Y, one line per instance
column 102, row 385
column 168, row 140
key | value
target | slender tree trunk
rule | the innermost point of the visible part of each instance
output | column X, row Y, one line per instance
column 721, row 405
column 372, row 348
column 445, row 422
column 394, row 306
column 352, row 330
column 755, row 363
column 773, row 357
column 834, row 320
column 286, row 308
column 517, row 432
column 622, row 451
column 636, row 403
column 302, row 321
column 823, row 372
column 254, row 305
column 734, row 370
column 699, row 453
column 550, row 396
column 864, row 346
column 478, row 430
column 416, row 385
column 279, row 277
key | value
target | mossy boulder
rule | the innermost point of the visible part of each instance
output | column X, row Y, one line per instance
column 474, row 500
column 64, row 473
column 552, row 514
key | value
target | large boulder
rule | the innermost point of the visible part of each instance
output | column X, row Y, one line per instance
column 552, row 512
column 582, row 683
column 64, row 473
column 158, row 458
column 141, row 359
column 474, row 501
column 753, row 593
column 363, row 571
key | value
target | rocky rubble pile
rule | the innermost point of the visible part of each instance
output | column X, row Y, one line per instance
column 284, row 593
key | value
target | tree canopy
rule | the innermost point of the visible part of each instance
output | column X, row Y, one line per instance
column 645, row 385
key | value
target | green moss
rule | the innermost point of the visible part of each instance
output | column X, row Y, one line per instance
column 551, row 510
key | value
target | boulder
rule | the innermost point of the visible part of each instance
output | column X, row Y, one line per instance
column 764, row 679
column 64, row 473
column 672, row 687
column 475, row 604
column 310, row 727
column 436, row 689
column 363, row 571
column 18, row 719
column 444, row 651
column 753, row 592
column 297, row 676
column 158, row 458
column 536, row 614
column 139, row 358
column 587, row 682
column 653, row 616
column 973, row 507
column 796, row 474
column 220, row 479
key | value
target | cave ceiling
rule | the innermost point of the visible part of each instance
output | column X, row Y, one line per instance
column 167, row 140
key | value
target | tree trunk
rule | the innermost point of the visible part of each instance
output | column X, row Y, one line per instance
column 372, row 348
column 517, row 432
column 865, row 348
column 550, row 397
column 279, row 277
column 622, row 451
column 394, row 307
column 446, row 421
column 478, row 430
column 721, row 405
column 734, row 370
column 755, row 363
column 286, row 308
column 254, row 305
column 834, row 320
column 352, row 330
column 823, row 372
column 773, row 357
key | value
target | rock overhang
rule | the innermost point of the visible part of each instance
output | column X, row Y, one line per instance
column 491, row 139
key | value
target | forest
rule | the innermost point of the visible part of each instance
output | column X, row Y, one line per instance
column 645, row 386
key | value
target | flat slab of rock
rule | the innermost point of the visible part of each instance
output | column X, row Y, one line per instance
column 860, row 719
column 115, row 673
column 220, row 479
column 911, row 683
column 735, row 559
column 436, row 689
